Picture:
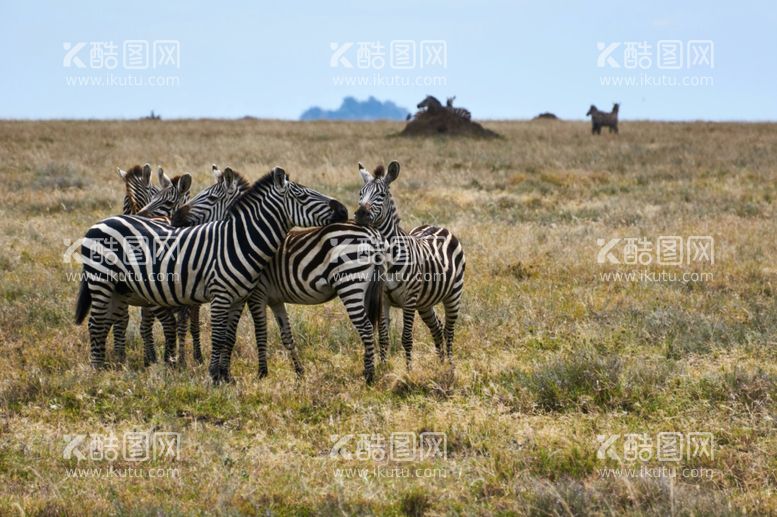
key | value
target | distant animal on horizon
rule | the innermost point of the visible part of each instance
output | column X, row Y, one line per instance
column 603, row 118
column 461, row 112
column 430, row 104
column 152, row 116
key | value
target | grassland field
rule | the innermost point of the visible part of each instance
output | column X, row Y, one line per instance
column 551, row 353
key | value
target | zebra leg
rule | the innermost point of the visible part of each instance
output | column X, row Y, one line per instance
column 219, row 317
column 282, row 317
column 167, row 318
column 99, row 325
column 229, row 344
column 451, row 314
column 182, row 324
column 354, row 305
column 408, row 315
column 383, row 329
column 257, row 304
column 147, row 333
column 194, row 314
column 120, row 319
column 431, row 320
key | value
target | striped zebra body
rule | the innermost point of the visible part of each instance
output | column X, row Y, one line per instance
column 310, row 267
column 313, row 267
column 459, row 112
column 218, row 262
column 426, row 266
column 140, row 193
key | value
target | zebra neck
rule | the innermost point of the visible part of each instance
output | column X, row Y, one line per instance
column 257, row 224
column 390, row 226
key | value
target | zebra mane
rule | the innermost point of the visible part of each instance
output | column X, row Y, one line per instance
column 134, row 204
column 379, row 171
column 242, row 183
column 258, row 187
column 180, row 216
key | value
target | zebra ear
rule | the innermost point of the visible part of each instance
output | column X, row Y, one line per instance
column 393, row 172
column 228, row 177
column 185, row 183
column 122, row 174
column 217, row 174
column 280, row 179
column 147, row 174
column 164, row 181
column 365, row 174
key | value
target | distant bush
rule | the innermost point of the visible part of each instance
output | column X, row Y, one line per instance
column 353, row 109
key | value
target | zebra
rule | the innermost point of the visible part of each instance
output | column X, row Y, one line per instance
column 603, row 118
column 210, row 204
column 138, row 188
column 217, row 262
column 430, row 104
column 143, row 198
column 311, row 267
column 167, row 199
column 459, row 112
column 425, row 266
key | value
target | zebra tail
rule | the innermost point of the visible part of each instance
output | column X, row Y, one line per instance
column 373, row 298
column 83, row 303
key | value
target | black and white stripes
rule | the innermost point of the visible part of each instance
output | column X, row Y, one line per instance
column 219, row 262
column 426, row 265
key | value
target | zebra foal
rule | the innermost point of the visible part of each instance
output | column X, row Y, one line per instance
column 426, row 266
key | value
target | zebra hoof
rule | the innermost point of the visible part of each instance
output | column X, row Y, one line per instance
column 262, row 372
column 225, row 376
column 369, row 377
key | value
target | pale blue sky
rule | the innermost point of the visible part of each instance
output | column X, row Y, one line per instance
column 504, row 59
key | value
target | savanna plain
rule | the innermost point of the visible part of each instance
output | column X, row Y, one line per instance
column 553, row 354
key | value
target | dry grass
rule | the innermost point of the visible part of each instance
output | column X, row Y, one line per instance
column 548, row 354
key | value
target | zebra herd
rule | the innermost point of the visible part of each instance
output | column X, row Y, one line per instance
column 432, row 105
column 233, row 244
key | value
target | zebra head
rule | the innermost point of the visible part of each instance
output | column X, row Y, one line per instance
column 305, row 206
column 137, row 182
column 172, row 194
column 591, row 110
column 430, row 103
column 212, row 203
column 375, row 203
column 616, row 107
